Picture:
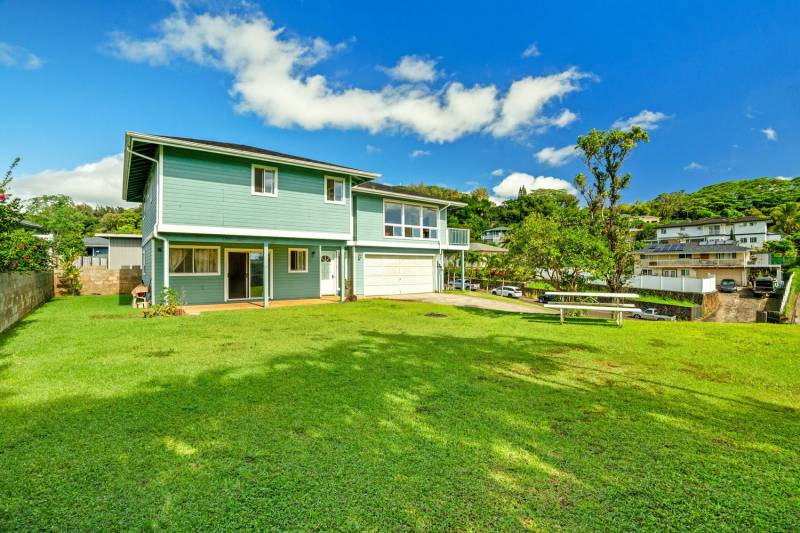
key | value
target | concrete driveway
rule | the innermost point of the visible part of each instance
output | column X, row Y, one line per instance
column 467, row 300
column 739, row 306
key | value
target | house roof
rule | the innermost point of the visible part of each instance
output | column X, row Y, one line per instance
column 715, row 220
column 499, row 228
column 485, row 248
column 400, row 192
column 691, row 248
column 119, row 235
column 141, row 151
column 95, row 242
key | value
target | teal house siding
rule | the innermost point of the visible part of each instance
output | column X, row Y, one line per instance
column 149, row 205
column 369, row 219
column 292, row 285
column 199, row 289
column 208, row 189
column 358, row 261
column 147, row 263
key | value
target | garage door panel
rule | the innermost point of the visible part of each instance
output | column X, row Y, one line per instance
column 398, row 274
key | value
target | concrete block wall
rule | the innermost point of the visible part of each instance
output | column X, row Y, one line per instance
column 102, row 280
column 21, row 293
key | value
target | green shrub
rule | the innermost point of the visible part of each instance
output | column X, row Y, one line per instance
column 170, row 304
column 21, row 251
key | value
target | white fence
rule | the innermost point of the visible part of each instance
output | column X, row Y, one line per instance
column 664, row 283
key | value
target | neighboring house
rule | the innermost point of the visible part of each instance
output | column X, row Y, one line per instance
column 725, row 260
column 750, row 232
column 647, row 219
column 495, row 235
column 113, row 250
column 226, row 222
column 96, row 246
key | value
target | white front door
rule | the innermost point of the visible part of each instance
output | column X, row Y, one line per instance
column 328, row 273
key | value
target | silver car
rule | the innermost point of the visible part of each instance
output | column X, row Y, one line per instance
column 508, row 290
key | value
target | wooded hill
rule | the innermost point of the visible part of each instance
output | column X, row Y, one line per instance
column 728, row 198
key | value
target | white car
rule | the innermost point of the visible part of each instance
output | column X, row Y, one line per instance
column 508, row 290
column 466, row 284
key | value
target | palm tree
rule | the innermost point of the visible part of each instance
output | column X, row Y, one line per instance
column 786, row 217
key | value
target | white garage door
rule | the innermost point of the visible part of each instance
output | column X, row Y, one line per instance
column 398, row 274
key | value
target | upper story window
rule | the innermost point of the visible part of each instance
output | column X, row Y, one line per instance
column 334, row 190
column 194, row 260
column 714, row 230
column 264, row 180
column 726, row 255
column 410, row 221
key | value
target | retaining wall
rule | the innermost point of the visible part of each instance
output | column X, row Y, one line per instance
column 102, row 280
column 21, row 293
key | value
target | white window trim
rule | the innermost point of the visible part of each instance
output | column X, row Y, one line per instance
column 289, row 261
column 253, row 168
column 192, row 274
column 403, row 224
column 325, row 190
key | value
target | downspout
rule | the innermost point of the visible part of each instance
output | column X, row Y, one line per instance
column 440, row 279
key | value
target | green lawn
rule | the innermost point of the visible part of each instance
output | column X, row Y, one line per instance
column 662, row 300
column 372, row 415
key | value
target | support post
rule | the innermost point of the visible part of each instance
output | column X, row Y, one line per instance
column 462, row 270
column 266, row 275
column 561, row 315
column 341, row 274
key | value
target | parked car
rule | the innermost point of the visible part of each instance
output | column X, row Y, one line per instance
column 508, row 290
column 764, row 286
column 467, row 284
column 727, row 285
column 652, row 314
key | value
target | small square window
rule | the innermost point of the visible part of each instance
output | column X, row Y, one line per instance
column 298, row 260
column 265, row 181
column 334, row 190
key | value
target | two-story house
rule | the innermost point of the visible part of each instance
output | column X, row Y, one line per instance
column 227, row 222
column 694, row 260
column 750, row 232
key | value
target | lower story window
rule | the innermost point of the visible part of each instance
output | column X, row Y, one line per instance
column 190, row 260
column 298, row 260
column 647, row 272
column 685, row 272
column 669, row 274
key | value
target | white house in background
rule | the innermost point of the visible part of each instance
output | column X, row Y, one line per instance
column 495, row 235
column 749, row 232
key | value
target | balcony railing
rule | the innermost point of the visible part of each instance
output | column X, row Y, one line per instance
column 693, row 263
column 457, row 237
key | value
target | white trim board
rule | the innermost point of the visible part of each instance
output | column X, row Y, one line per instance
column 250, row 232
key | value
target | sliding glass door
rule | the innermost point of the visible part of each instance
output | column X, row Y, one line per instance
column 244, row 274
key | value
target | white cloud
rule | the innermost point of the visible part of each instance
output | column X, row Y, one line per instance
column 522, row 107
column 770, row 134
column 498, row 172
column 532, row 51
column 18, row 56
column 556, row 157
column 694, row 165
column 272, row 78
column 647, row 120
column 419, row 153
column 95, row 183
column 373, row 149
column 413, row 68
column 509, row 187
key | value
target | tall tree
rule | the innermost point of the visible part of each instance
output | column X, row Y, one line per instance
column 560, row 247
column 603, row 153
column 786, row 217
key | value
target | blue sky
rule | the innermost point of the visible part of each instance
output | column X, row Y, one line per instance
column 447, row 96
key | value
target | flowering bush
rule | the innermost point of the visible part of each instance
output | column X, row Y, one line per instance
column 21, row 251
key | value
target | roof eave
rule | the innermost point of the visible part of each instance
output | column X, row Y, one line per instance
column 166, row 141
column 392, row 194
